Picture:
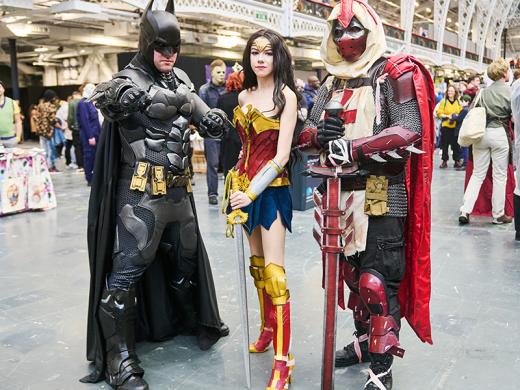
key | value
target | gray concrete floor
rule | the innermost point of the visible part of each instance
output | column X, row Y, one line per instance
column 475, row 304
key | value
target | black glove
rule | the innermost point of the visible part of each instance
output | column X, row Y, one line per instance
column 329, row 129
column 213, row 124
column 134, row 99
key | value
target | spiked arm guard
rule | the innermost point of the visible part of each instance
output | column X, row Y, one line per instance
column 118, row 98
column 392, row 139
column 262, row 179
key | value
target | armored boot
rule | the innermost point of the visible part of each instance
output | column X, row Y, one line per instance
column 354, row 353
column 380, row 372
column 117, row 314
column 266, row 330
column 357, row 351
column 283, row 364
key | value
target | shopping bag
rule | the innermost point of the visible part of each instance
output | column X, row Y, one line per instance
column 473, row 126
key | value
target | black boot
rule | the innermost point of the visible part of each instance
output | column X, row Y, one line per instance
column 380, row 370
column 117, row 313
column 348, row 356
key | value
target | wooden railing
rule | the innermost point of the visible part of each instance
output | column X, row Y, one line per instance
column 448, row 49
column 277, row 3
column 317, row 8
column 419, row 40
column 472, row 56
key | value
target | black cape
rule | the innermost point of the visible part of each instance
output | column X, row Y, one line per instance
column 158, row 318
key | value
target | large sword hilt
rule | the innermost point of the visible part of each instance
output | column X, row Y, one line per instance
column 235, row 217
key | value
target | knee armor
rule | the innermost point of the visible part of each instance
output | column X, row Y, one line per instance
column 276, row 284
column 383, row 327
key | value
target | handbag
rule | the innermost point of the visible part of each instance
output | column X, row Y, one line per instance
column 473, row 126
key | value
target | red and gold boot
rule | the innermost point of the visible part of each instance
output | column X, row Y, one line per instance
column 276, row 289
column 266, row 330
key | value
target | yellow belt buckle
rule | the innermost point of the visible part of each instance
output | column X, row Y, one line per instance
column 140, row 176
column 158, row 181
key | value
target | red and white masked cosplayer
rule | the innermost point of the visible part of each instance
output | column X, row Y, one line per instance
column 386, row 129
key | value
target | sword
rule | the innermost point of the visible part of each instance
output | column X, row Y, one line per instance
column 331, row 248
column 238, row 217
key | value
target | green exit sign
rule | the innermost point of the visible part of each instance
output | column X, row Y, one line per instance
column 261, row 16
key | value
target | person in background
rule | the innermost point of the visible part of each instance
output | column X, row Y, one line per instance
column 448, row 106
column 303, row 110
column 493, row 146
column 73, row 126
column 62, row 114
column 465, row 101
column 89, row 129
column 231, row 144
column 438, row 95
column 45, row 126
column 10, row 120
column 473, row 87
column 462, row 87
column 32, row 119
column 311, row 90
column 210, row 93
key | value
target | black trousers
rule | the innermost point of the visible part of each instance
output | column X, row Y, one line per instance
column 449, row 138
column 68, row 147
column 78, row 147
column 385, row 254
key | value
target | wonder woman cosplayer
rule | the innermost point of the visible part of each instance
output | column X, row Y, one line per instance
column 265, row 120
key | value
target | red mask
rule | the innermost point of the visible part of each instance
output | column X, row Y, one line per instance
column 351, row 41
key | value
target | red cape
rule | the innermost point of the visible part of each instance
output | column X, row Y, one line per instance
column 483, row 203
column 414, row 293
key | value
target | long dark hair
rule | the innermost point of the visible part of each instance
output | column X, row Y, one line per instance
column 282, row 67
column 283, row 77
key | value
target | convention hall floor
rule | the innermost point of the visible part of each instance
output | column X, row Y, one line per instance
column 475, row 305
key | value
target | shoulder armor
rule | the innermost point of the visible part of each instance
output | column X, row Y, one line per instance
column 403, row 87
column 183, row 78
column 140, row 78
column 376, row 70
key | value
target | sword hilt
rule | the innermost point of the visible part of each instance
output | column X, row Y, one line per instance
column 235, row 217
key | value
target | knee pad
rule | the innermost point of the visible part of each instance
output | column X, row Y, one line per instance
column 276, row 284
column 256, row 269
column 373, row 293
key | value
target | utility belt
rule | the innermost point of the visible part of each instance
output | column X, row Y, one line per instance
column 360, row 183
column 160, row 179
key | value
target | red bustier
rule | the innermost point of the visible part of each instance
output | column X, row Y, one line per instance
column 259, row 136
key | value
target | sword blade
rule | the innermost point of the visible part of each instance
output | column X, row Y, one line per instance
column 331, row 285
column 242, row 292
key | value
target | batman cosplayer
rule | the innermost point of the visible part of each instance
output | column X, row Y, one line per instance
column 150, row 274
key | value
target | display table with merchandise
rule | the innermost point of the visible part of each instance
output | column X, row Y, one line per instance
column 25, row 182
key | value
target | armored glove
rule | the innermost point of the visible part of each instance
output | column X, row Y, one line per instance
column 329, row 129
column 213, row 124
column 118, row 98
column 340, row 152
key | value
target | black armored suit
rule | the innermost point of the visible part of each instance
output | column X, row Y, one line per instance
column 154, row 176
column 150, row 272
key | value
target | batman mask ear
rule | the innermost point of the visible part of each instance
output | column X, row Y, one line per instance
column 170, row 7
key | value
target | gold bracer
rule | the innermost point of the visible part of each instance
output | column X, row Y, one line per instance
column 276, row 284
column 376, row 196
column 140, row 176
column 158, row 181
